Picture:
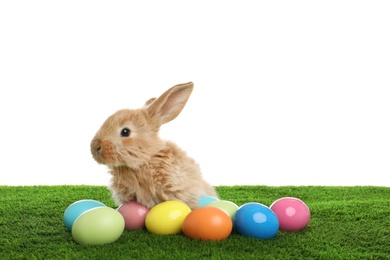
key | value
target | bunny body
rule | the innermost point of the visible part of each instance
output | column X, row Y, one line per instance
column 144, row 167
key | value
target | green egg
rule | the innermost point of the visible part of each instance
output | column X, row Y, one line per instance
column 229, row 207
column 98, row 226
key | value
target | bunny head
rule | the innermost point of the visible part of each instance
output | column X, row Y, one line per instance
column 130, row 137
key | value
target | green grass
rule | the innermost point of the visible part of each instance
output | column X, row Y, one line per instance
column 346, row 223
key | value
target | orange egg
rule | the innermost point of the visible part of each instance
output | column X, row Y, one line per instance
column 207, row 223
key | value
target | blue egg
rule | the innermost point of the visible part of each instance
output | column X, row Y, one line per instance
column 204, row 200
column 256, row 220
column 77, row 208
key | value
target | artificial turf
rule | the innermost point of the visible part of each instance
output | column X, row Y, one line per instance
column 346, row 223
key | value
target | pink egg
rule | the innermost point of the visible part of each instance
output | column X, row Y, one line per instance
column 134, row 214
column 293, row 214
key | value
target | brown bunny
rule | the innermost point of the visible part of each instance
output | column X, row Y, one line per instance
column 144, row 167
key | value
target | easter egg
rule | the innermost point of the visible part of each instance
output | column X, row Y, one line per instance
column 166, row 217
column 204, row 200
column 256, row 220
column 229, row 207
column 207, row 223
column 134, row 214
column 98, row 226
column 293, row 213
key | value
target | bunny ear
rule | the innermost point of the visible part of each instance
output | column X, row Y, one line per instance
column 169, row 105
column 150, row 101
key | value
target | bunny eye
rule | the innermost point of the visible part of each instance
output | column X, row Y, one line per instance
column 125, row 132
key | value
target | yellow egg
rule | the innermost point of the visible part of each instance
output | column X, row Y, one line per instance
column 167, row 217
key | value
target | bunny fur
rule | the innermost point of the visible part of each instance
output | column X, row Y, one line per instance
column 144, row 167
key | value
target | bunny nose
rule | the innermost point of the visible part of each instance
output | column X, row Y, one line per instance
column 96, row 145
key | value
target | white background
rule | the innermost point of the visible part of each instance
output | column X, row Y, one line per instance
column 286, row 92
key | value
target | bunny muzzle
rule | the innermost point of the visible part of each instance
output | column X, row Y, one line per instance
column 103, row 152
column 96, row 147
